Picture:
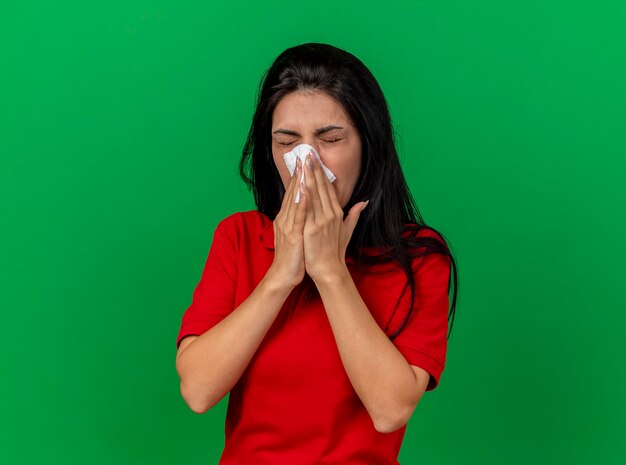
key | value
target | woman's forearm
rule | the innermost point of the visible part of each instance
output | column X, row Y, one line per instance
column 211, row 365
column 379, row 373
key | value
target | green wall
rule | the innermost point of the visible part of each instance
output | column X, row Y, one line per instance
column 121, row 126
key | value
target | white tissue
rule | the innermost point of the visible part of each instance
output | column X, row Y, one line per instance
column 301, row 151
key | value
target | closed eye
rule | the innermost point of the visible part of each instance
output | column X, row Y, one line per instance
column 330, row 141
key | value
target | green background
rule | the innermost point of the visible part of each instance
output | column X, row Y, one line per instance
column 121, row 126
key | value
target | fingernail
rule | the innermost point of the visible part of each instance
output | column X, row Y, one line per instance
column 365, row 205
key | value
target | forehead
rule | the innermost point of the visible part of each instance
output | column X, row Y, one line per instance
column 308, row 109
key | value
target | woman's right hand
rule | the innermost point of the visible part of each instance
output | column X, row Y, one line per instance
column 288, row 266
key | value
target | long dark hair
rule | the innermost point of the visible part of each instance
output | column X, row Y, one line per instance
column 391, row 220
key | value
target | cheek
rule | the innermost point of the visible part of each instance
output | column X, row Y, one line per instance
column 283, row 172
column 285, row 178
column 347, row 176
column 347, row 172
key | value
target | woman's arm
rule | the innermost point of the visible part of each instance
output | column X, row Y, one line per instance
column 386, row 383
column 388, row 386
column 211, row 364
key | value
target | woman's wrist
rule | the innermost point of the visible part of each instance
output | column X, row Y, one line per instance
column 276, row 282
column 338, row 276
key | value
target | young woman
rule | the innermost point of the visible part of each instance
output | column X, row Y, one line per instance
column 325, row 319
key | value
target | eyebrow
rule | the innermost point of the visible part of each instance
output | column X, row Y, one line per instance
column 317, row 131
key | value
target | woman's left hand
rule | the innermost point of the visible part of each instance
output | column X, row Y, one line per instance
column 326, row 233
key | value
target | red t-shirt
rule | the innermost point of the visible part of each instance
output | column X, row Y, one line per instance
column 294, row 403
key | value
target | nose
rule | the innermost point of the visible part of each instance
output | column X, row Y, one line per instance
column 316, row 147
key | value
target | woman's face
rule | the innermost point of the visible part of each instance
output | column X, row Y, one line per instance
column 316, row 119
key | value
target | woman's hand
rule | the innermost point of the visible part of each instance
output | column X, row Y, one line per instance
column 326, row 233
column 288, row 265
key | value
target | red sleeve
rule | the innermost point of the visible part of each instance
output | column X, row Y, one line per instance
column 214, row 296
column 423, row 341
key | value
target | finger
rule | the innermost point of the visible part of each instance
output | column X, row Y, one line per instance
column 283, row 205
column 333, row 194
column 288, row 199
column 331, row 190
column 312, row 190
column 301, row 211
column 322, row 181
column 293, row 206
column 310, row 210
column 352, row 218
